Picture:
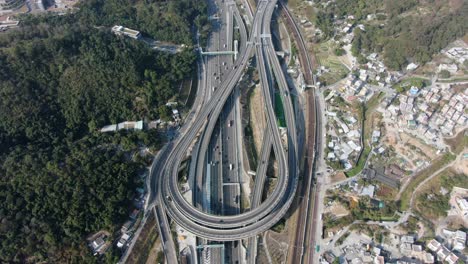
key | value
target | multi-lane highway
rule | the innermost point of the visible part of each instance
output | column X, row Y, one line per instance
column 211, row 138
column 268, row 213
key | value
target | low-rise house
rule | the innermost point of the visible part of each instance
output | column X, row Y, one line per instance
column 461, row 120
column 98, row 244
column 431, row 134
column 126, row 226
column 354, row 146
column 407, row 239
column 433, row 245
column 344, row 127
column 368, row 190
column 405, row 249
column 154, row 124
column 456, row 116
column 130, row 125
column 442, row 253
column 123, row 240
column 451, row 259
column 109, row 128
column 460, row 106
column 452, row 68
column 428, row 258
column 375, row 136
column 347, row 165
column 423, row 118
column 462, row 203
column 412, row 66
column 123, row 31
column 353, row 134
column 416, row 248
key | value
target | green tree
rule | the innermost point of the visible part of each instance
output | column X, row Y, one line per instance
column 339, row 52
column 165, row 113
column 444, row 74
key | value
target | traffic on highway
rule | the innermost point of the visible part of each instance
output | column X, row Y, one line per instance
column 211, row 139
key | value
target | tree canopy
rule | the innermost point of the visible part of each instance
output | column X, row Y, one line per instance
column 402, row 32
column 61, row 79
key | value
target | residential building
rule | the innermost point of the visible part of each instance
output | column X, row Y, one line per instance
column 10, row 5
column 443, row 253
column 123, row 31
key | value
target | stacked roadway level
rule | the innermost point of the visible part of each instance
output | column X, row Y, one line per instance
column 223, row 228
column 290, row 121
column 208, row 189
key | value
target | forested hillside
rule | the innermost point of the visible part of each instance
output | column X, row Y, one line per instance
column 62, row 78
column 403, row 30
column 162, row 20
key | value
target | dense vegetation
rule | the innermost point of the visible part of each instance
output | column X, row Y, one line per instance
column 162, row 20
column 433, row 203
column 62, row 78
column 403, row 30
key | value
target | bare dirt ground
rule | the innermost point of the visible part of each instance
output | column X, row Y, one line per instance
column 144, row 243
column 386, row 193
column 461, row 165
column 277, row 245
column 339, row 176
column 261, row 255
column 153, row 255
column 429, row 151
column 457, row 142
column 337, row 209
column 257, row 115
column 408, row 147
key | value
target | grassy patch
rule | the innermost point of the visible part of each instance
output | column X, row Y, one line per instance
column 294, row 52
column 342, row 238
column 360, row 164
column 331, row 222
column 279, row 227
column 411, row 225
column 374, row 231
column 160, row 257
column 326, row 57
column 144, row 242
column 279, row 110
column 250, row 147
column 386, row 192
column 367, row 211
column 366, row 110
column 252, row 154
column 337, row 71
column 458, row 143
column 460, row 79
column 406, row 84
column 434, row 203
column 421, row 176
column 245, row 202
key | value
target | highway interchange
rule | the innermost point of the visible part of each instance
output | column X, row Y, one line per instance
column 211, row 140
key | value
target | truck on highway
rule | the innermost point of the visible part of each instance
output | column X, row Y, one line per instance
column 229, row 123
column 230, row 166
